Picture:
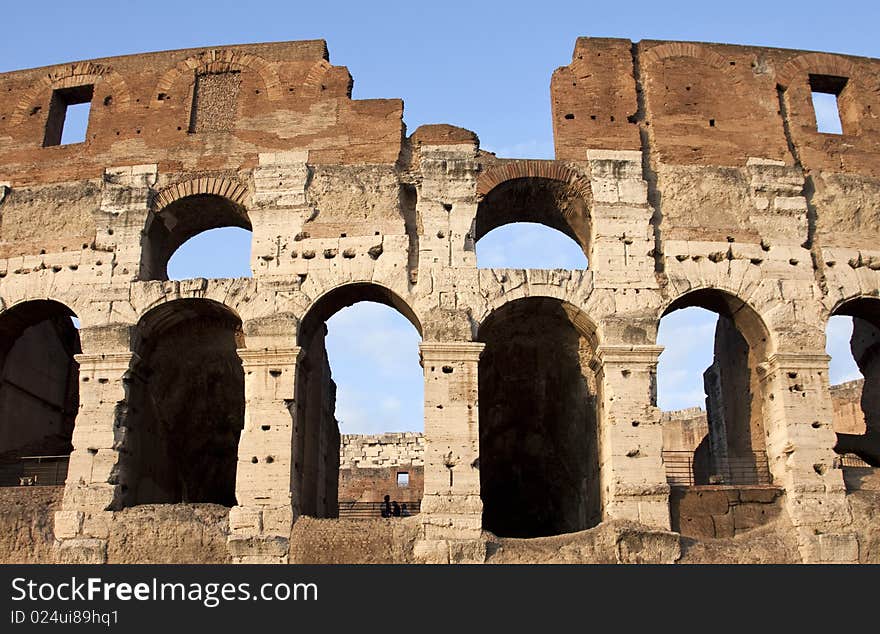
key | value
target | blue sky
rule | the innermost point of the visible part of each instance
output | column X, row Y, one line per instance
column 485, row 66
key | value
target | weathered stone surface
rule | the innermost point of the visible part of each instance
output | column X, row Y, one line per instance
column 688, row 174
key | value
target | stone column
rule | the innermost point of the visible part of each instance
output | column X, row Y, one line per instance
column 451, row 511
column 260, row 524
column 122, row 217
column 631, row 435
column 800, row 440
column 93, row 489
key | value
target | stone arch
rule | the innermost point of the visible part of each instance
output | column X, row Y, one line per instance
column 865, row 347
column 332, row 300
column 316, row 433
column 551, row 170
column 543, row 192
column 736, row 395
column 184, row 412
column 185, row 210
column 234, row 190
column 39, row 387
column 218, row 61
column 70, row 76
column 730, row 304
column 577, row 315
column 538, row 419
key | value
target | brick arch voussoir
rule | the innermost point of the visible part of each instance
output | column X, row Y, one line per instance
column 69, row 76
column 657, row 54
column 228, row 188
column 218, row 61
column 551, row 170
column 814, row 63
column 238, row 296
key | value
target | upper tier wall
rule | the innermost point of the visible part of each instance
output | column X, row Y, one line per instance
column 286, row 96
column 692, row 105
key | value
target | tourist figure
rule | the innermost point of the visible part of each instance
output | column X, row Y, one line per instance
column 404, row 512
column 386, row 507
column 395, row 509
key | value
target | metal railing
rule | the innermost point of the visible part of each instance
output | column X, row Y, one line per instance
column 852, row 460
column 749, row 470
column 34, row 471
column 352, row 510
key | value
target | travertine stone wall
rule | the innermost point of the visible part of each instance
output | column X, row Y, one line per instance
column 690, row 175
column 397, row 449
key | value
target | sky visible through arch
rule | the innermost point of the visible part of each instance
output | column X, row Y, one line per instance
column 485, row 66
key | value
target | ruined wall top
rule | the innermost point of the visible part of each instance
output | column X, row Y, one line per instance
column 715, row 104
column 253, row 98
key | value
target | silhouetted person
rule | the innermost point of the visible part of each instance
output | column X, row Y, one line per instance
column 386, row 507
column 404, row 512
column 395, row 511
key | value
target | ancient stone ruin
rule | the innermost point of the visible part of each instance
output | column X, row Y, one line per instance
column 198, row 415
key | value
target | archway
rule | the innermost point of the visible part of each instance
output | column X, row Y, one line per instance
column 39, row 392
column 526, row 201
column 726, row 445
column 854, row 389
column 360, row 344
column 185, row 410
column 539, row 466
column 185, row 218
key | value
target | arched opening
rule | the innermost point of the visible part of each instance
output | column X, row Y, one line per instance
column 212, row 254
column 39, row 392
column 853, row 342
column 185, row 410
column 528, row 245
column 359, row 389
column 725, row 444
column 539, row 465
column 523, row 203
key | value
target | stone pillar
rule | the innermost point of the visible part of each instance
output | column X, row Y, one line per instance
column 260, row 524
column 631, row 435
column 93, row 489
column 719, row 464
column 122, row 216
column 451, row 511
column 800, row 441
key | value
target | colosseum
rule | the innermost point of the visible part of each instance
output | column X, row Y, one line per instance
column 690, row 174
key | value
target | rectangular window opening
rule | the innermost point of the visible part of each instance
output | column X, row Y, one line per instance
column 402, row 479
column 825, row 89
column 68, row 120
